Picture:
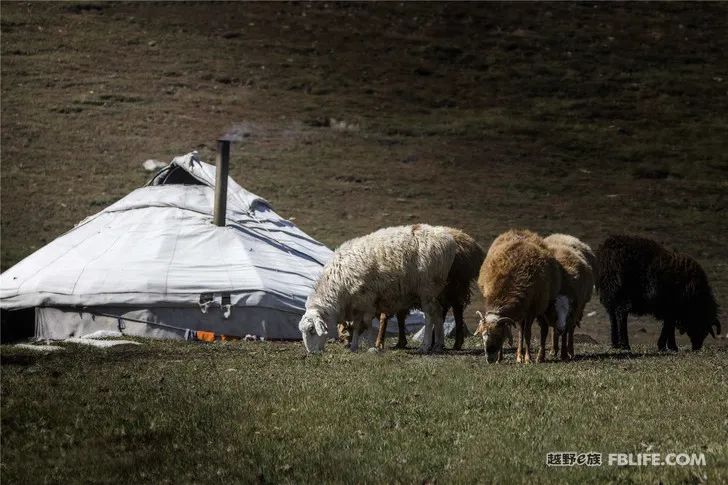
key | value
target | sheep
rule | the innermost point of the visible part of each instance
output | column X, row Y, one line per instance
column 385, row 272
column 577, row 281
column 575, row 243
column 458, row 290
column 520, row 280
column 638, row 276
column 456, row 295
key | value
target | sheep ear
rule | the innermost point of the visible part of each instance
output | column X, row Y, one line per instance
column 507, row 320
column 479, row 331
column 305, row 325
column 321, row 328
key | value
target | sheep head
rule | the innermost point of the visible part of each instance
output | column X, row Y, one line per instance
column 314, row 331
column 698, row 333
column 494, row 329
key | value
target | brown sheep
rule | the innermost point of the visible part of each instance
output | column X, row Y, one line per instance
column 519, row 279
column 639, row 276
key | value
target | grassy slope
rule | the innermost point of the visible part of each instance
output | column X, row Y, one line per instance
column 262, row 411
column 558, row 117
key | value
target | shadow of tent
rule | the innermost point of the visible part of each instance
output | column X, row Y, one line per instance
column 17, row 325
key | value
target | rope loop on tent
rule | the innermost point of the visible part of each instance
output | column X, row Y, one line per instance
column 206, row 299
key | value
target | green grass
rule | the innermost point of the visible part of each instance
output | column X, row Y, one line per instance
column 181, row 412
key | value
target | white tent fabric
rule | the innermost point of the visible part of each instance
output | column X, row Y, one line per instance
column 153, row 264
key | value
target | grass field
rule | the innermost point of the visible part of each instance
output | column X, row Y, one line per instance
column 246, row 412
column 582, row 118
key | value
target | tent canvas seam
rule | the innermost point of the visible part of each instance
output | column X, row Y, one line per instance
column 118, row 238
column 174, row 252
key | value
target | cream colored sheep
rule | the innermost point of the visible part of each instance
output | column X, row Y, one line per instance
column 384, row 272
column 577, row 244
column 577, row 281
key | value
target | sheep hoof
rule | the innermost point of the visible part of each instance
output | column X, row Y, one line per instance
column 373, row 350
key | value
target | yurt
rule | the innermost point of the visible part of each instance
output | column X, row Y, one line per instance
column 154, row 264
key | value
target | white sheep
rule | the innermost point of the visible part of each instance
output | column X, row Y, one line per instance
column 384, row 272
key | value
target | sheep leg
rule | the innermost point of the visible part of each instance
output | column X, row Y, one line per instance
column 614, row 329
column 671, row 344
column 519, row 349
column 565, row 345
column 427, row 337
column 555, row 343
column 571, row 343
column 623, row 337
column 355, row 331
column 439, row 326
column 382, row 330
column 457, row 312
column 445, row 309
column 402, row 338
column 662, row 340
column 544, row 336
column 527, row 340
column 667, row 337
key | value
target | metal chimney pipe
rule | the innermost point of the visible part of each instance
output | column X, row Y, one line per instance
column 221, row 178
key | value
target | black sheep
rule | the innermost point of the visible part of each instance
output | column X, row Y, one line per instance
column 638, row 276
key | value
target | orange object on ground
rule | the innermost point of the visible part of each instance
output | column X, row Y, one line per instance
column 205, row 336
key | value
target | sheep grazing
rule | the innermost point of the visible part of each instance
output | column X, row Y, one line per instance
column 456, row 295
column 385, row 272
column 520, row 280
column 639, row 276
column 576, row 260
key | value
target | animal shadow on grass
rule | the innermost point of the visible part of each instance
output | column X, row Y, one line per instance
column 598, row 356
column 23, row 360
column 579, row 357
